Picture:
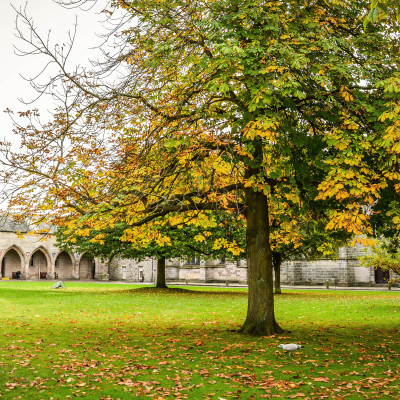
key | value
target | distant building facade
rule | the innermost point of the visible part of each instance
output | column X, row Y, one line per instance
column 32, row 257
column 25, row 255
column 343, row 271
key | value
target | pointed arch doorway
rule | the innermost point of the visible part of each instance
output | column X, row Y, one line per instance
column 63, row 266
column 38, row 265
column 11, row 263
column 381, row 276
column 87, row 268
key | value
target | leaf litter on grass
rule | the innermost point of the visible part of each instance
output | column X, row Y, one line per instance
column 165, row 345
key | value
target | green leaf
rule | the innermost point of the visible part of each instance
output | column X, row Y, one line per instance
column 373, row 15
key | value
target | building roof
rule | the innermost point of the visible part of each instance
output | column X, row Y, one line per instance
column 7, row 224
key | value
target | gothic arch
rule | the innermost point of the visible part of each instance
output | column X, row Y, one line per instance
column 71, row 256
column 39, row 263
column 44, row 251
column 64, row 265
column 12, row 263
column 86, row 267
column 17, row 249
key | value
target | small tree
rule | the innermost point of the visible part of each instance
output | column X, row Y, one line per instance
column 385, row 254
column 184, row 240
column 310, row 241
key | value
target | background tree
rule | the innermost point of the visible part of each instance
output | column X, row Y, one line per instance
column 185, row 241
column 385, row 254
column 313, row 243
column 218, row 106
column 298, row 231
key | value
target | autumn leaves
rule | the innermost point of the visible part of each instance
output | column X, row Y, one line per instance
column 269, row 115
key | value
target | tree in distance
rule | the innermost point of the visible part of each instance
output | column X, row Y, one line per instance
column 385, row 254
column 187, row 241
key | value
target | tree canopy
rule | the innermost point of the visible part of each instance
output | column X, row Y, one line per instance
column 251, row 107
column 186, row 241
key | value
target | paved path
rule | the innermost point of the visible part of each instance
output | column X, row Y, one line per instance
column 234, row 285
column 380, row 288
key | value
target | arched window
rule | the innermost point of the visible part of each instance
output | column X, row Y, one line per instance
column 193, row 261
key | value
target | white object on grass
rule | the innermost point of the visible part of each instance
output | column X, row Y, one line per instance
column 290, row 347
column 59, row 285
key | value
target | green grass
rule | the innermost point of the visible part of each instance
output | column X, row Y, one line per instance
column 100, row 341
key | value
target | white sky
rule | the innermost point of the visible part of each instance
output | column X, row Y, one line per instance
column 47, row 16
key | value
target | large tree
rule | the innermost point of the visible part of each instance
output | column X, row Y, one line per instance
column 210, row 105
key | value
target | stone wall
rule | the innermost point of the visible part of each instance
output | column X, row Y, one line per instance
column 345, row 270
column 37, row 257
column 208, row 271
column 179, row 270
column 227, row 272
column 190, row 273
column 303, row 272
column 133, row 270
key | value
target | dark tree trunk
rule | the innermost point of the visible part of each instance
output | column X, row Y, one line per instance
column 161, row 273
column 112, row 256
column 277, row 260
column 260, row 313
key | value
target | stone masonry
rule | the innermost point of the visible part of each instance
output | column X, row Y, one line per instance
column 36, row 257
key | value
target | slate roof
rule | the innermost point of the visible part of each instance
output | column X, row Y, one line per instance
column 7, row 224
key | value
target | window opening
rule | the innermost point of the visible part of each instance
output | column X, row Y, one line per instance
column 194, row 261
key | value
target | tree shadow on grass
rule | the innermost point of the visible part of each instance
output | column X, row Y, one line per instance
column 186, row 292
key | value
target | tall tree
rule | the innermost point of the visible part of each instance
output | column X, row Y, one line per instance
column 218, row 106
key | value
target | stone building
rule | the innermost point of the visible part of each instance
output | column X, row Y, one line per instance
column 343, row 271
column 180, row 270
column 32, row 256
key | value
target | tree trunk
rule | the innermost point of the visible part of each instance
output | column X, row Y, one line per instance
column 161, row 273
column 277, row 259
column 260, row 312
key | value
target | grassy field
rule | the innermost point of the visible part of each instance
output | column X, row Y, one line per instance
column 100, row 341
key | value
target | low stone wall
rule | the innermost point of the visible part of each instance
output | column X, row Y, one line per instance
column 344, row 272
column 189, row 273
column 229, row 272
column 172, row 273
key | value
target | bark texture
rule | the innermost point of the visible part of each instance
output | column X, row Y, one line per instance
column 260, row 318
column 161, row 273
column 277, row 260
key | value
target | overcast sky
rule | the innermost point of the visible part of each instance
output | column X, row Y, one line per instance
column 47, row 16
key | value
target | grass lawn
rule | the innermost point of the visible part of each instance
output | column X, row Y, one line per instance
column 100, row 341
